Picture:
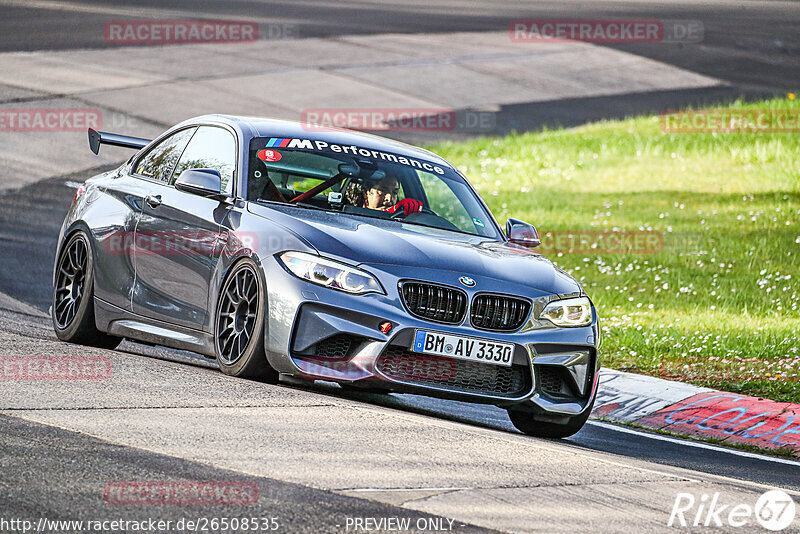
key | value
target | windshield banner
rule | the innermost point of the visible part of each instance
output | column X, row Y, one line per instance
column 309, row 144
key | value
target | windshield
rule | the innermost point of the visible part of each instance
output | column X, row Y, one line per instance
column 364, row 182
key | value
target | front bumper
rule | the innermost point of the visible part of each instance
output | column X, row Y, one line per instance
column 335, row 336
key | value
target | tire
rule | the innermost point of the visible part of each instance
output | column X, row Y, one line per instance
column 239, row 325
column 72, row 309
column 525, row 422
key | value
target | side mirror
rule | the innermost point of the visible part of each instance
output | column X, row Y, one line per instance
column 203, row 182
column 522, row 233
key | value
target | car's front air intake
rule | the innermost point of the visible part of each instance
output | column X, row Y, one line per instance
column 455, row 375
column 497, row 312
column 433, row 302
column 550, row 379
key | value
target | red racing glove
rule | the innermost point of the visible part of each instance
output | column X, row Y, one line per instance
column 408, row 205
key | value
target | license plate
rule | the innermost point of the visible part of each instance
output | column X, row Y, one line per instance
column 463, row 347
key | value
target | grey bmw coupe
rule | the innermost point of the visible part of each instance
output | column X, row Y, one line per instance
column 280, row 248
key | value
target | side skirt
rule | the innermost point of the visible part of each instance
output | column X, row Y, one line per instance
column 119, row 322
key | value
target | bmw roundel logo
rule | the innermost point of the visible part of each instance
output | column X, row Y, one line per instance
column 467, row 281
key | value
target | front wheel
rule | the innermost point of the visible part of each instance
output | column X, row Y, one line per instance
column 72, row 310
column 239, row 325
column 525, row 422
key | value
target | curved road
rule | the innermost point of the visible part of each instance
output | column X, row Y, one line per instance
column 751, row 45
column 35, row 213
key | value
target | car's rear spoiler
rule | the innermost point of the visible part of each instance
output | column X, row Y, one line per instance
column 105, row 138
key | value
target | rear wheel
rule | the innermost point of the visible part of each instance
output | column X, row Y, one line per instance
column 525, row 422
column 73, row 296
column 239, row 325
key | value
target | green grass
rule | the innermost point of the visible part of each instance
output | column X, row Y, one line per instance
column 719, row 304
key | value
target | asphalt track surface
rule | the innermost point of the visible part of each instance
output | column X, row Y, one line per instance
column 751, row 45
column 30, row 448
column 29, row 221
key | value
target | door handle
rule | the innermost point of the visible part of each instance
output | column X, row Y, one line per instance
column 153, row 201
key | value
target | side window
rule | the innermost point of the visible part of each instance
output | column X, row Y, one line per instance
column 210, row 148
column 160, row 161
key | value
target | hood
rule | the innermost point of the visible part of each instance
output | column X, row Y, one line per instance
column 361, row 240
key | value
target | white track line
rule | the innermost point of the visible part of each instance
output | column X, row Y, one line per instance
column 697, row 444
column 357, row 490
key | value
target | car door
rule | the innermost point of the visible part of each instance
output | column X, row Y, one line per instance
column 114, row 223
column 177, row 235
column 114, row 214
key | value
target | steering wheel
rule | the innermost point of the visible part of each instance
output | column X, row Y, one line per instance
column 400, row 213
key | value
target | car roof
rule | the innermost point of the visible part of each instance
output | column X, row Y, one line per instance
column 262, row 127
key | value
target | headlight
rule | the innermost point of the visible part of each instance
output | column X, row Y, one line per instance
column 329, row 273
column 569, row 312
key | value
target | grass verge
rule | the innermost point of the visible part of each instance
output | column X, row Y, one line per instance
column 717, row 303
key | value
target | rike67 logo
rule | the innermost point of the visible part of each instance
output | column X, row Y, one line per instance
column 774, row 511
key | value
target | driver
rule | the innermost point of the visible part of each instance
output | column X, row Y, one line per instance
column 382, row 195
